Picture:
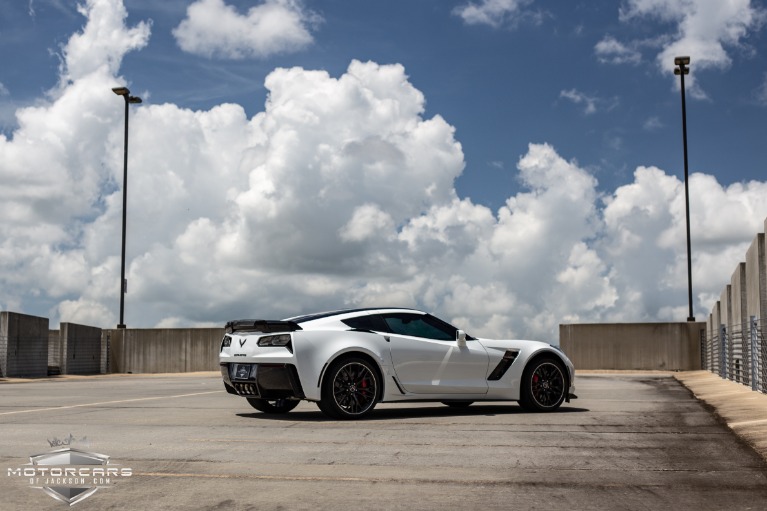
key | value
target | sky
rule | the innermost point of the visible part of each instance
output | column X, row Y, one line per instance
column 509, row 165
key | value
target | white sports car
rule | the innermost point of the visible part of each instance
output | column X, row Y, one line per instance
column 348, row 360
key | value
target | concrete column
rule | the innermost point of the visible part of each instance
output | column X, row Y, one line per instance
column 23, row 345
column 739, row 321
column 80, row 349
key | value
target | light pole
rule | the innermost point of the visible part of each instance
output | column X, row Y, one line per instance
column 682, row 69
column 125, row 93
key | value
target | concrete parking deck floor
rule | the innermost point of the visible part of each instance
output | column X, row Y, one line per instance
column 744, row 410
column 632, row 441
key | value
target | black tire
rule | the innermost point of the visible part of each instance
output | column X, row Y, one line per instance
column 273, row 405
column 458, row 404
column 544, row 385
column 350, row 389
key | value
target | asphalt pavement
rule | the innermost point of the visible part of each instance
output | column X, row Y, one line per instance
column 631, row 441
column 742, row 409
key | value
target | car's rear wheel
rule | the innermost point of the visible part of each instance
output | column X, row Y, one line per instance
column 544, row 385
column 458, row 404
column 350, row 389
column 273, row 405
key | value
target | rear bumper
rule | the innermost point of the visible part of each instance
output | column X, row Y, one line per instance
column 265, row 381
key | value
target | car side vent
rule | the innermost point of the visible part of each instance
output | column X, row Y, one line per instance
column 399, row 387
column 508, row 358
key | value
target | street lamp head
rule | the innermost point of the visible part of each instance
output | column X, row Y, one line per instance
column 681, row 64
column 124, row 92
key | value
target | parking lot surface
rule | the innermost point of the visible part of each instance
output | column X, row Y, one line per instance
column 630, row 442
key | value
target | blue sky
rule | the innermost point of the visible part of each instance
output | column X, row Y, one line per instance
column 502, row 87
column 532, row 94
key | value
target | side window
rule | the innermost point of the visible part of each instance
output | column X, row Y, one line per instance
column 358, row 323
column 373, row 323
column 417, row 325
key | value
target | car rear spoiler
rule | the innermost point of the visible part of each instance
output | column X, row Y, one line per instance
column 261, row 325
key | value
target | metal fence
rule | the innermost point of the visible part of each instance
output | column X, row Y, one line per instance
column 738, row 353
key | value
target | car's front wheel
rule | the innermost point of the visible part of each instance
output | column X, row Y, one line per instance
column 544, row 385
column 350, row 389
column 273, row 405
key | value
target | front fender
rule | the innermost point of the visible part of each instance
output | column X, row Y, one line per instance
column 548, row 350
column 509, row 386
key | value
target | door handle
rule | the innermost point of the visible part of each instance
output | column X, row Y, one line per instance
column 386, row 338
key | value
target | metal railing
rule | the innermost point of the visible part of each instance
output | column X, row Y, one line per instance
column 738, row 352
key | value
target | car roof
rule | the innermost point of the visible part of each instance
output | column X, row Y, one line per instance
column 350, row 313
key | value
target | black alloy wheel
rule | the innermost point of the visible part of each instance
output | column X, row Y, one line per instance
column 350, row 389
column 543, row 385
column 273, row 405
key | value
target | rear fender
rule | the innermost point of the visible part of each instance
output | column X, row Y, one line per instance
column 316, row 350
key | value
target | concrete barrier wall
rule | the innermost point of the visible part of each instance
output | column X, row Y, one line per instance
column 725, row 299
column 168, row 350
column 633, row 346
column 756, row 280
column 716, row 352
column 89, row 350
column 712, row 332
column 741, row 352
column 739, row 319
column 54, row 348
column 23, row 345
column 80, row 349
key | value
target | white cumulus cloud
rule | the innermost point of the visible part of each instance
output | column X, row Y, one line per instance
column 591, row 104
column 611, row 51
column 213, row 28
column 493, row 12
column 100, row 47
column 761, row 92
column 705, row 30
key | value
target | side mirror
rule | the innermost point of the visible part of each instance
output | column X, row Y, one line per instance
column 460, row 337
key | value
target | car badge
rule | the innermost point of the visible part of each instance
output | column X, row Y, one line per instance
column 242, row 342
